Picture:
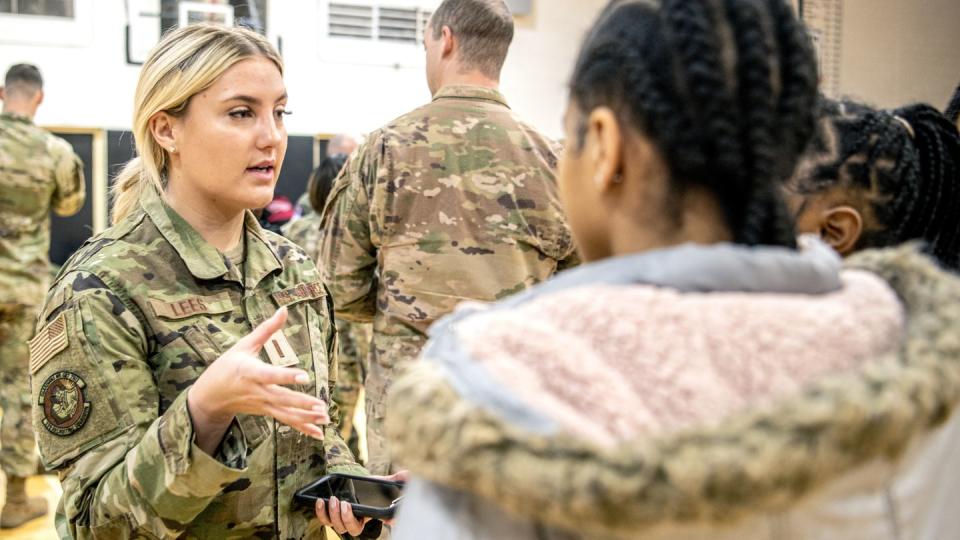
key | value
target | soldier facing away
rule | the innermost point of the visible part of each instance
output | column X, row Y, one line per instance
column 456, row 200
column 38, row 173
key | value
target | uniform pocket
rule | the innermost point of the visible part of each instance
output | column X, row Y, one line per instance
column 74, row 402
column 180, row 363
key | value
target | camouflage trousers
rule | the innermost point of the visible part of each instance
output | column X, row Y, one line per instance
column 353, row 357
column 17, row 446
column 390, row 356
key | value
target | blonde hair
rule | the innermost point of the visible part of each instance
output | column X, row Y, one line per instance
column 185, row 62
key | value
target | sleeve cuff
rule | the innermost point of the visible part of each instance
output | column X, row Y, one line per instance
column 348, row 468
column 172, row 472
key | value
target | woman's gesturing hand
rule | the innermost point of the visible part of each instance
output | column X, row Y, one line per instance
column 240, row 383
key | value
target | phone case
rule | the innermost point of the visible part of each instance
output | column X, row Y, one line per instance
column 305, row 496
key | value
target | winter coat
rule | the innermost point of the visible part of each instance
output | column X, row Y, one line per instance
column 693, row 392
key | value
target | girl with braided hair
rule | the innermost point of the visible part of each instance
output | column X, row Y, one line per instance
column 874, row 178
column 952, row 112
column 699, row 376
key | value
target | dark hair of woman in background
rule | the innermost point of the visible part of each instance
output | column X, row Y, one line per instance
column 321, row 180
column 875, row 178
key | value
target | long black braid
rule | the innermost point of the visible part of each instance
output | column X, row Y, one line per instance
column 952, row 112
column 905, row 161
column 725, row 89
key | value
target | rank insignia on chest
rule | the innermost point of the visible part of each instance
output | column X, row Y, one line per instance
column 63, row 398
column 279, row 350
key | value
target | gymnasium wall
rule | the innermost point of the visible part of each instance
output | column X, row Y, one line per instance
column 900, row 51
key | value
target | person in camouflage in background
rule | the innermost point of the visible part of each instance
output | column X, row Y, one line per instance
column 341, row 143
column 456, row 200
column 354, row 338
column 38, row 173
column 184, row 361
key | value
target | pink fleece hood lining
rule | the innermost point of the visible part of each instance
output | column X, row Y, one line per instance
column 610, row 363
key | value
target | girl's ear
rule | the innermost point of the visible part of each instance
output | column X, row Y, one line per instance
column 605, row 148
column 841, row 228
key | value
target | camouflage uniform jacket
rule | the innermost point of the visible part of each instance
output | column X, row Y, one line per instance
column 456, row 200
column 38, row 172
column 130, row 323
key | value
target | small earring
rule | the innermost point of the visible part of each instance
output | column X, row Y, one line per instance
column 173, row 149
column 617, row 178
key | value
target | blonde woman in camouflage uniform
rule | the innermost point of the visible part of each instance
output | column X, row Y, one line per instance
column 183, row 365
column 38, row 173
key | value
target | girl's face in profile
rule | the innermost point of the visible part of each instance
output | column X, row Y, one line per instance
column 579, row 192
column 231, row 141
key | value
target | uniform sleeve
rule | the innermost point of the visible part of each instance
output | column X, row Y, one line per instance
column 348, row 258
column 70, row 191
column 125, row 471
column 569, row 262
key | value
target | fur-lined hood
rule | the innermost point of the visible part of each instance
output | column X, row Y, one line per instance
column 760, row 459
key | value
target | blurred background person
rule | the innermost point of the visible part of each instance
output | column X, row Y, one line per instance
column 340, row 144
column 354, row 338
column 456, row 200
column 874, row 178
column 39, row 173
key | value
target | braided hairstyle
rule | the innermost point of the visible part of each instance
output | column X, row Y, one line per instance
column 906, row 163
column 724, row 89
column 952, row 112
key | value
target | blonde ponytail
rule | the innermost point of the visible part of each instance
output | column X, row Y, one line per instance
column 185, row 62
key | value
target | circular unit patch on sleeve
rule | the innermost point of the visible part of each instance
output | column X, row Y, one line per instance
column 63, row 397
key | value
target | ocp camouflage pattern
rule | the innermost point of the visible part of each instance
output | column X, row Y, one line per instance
column 456, row 200
column 147, row 306
column 39, row 172
column 353, row 337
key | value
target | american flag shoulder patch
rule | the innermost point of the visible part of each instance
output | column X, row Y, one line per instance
column 50, row 340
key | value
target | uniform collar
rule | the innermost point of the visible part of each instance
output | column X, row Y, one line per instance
column 202, row 259
column 16, row 117
column 471, row 92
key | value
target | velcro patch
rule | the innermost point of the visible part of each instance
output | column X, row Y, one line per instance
column 279, row 350
column 303, row 291
column 193, row 305
column 50, row 340
column 63, row 398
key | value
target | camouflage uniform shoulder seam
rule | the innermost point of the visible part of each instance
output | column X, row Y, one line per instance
column 405, row 118
column 95, row 245
column 280, row 240
column 55, row 143
column 113, row 283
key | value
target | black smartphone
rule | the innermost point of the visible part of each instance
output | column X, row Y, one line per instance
column 369, row 497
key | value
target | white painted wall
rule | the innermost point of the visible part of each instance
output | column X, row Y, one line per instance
column 89, row 84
